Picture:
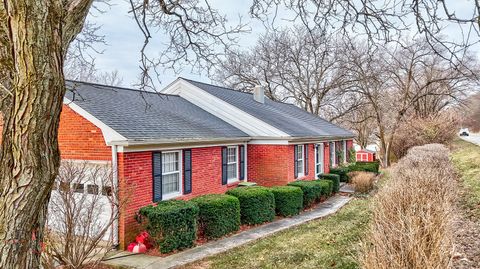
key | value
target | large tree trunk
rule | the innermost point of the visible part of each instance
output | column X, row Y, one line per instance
column 39, row 34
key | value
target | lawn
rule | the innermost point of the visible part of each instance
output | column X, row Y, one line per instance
column 466, row 157
column 331, row 242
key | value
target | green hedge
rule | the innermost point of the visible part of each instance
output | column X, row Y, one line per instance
column 365, row 166
column 335, row 181
column 288, row 200
column 327, row 186
column 340, row 171
column 219, row 214
column 172, row 224
column 312, row 191
column 257, row 204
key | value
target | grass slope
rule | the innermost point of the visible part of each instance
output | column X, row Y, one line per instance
column 466, row 157
column 331, row 242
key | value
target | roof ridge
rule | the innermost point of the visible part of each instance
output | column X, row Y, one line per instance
column 230, row 89
column 219, row 86
column 118, row 87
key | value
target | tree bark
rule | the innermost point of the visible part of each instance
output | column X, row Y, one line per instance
column 39, row 33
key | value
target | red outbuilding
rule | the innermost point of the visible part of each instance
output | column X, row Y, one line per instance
column 365, row 155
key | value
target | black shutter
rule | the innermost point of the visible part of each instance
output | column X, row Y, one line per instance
column 295, row 152
column 187, row 171
column 306, row 159
column 224, row 165
column 157, row 176
column 242, row 162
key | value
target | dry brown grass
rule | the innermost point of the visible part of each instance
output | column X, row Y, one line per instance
column 363, row 181
column 413, row 213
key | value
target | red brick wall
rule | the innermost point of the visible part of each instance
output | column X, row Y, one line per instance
column 80, row 139
column 135, row 176
column 326, row 157
column 271, row 165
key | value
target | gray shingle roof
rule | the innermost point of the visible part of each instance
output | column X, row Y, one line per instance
column 140, row 115
column 286, row 117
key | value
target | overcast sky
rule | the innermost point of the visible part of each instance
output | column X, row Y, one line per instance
column 124, row 39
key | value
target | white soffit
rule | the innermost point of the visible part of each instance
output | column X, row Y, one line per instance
column 223, row 110
column 109, row 135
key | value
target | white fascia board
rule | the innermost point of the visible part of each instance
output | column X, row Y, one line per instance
column 223, row 110
column 268, row 142
column 109, row 135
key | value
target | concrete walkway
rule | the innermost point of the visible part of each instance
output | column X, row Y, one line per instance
column 127, row 260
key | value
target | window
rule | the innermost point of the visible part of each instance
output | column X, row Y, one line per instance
column 232, row 164
column 92, row 189
column 78, row 187
column 171, row 176
column 319, row 159
column 332, row 154
column 300, row 164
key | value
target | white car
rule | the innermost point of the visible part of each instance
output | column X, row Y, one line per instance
column 464, row 132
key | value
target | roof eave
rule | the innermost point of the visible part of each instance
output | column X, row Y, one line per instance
column 174, row 141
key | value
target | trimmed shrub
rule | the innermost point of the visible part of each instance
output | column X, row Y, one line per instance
column 326, row 185
column 372, row 167
column 335, row 181
column 172, row 224
column 219, row 214
column 312, row 191
column 342, row 172
column 288, row 200
column 257, row 204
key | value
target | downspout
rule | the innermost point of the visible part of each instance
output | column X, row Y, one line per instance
column 245, row 171
column 115, row 224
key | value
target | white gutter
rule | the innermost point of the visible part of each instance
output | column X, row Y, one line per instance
column 115, row 224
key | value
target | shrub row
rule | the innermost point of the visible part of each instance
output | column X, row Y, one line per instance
column 219, row 214
column 341, row 171
column 313, row 190
column 335, row 178
column 257, row 204
column 372, row 167
column 288, row 200
column 174, row 224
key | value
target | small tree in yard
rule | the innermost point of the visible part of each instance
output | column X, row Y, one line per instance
column 83, row 211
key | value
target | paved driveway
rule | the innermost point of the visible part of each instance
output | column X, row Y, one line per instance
column 473, row 138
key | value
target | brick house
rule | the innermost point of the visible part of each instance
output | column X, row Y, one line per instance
column 192, row 139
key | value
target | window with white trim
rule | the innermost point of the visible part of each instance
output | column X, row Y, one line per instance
column 300, row 163
column 232, row 164
column 332, row 154
column 171, row 174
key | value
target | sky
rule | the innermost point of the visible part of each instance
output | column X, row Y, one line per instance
column 124, row 40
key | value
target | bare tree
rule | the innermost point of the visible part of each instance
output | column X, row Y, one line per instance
column 35, row 37
column 399, row 81
column 470, row 113
column 82, row 70
column 294, row 65
column 82, row 213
